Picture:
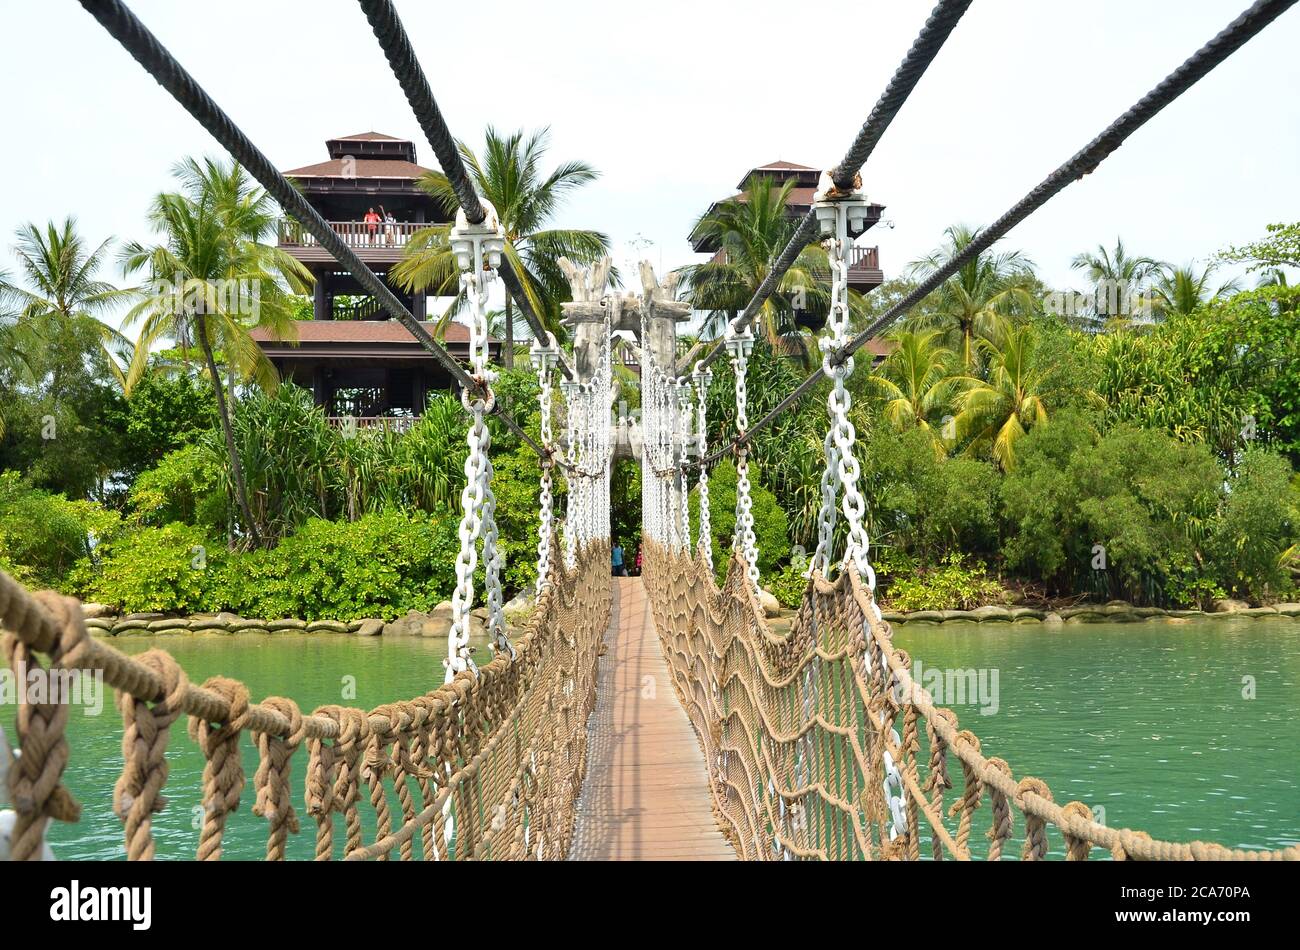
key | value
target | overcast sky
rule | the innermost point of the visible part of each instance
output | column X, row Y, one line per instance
column 673, row 101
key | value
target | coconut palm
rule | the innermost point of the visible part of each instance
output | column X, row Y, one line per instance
column 212, row 281
column 18, row 342
column 917, row 382
column 997, row 412
column 1117, row 279
column 509, row 175
column 750, row 232
column 1182, row 290
column 977, row 301
column 62, row 291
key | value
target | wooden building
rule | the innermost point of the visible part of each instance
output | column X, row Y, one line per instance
column 371, row 371
column 864, row 264
column 357, row 362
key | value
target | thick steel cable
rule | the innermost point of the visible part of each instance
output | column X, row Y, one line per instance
column 1086, row 160
column 399, row 52
column 941, row 22
column 136, row 39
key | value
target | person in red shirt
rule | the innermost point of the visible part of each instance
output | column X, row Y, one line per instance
column 372, row 220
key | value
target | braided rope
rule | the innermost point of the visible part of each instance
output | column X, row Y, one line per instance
column 799, row 734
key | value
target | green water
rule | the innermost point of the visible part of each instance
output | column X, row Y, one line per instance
column 1146, row 720
column 313, row 670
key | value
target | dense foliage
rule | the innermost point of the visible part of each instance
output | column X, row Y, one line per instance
column 1139, row 443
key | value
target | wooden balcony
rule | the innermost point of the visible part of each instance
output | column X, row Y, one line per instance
column 398, row 424
column 383, row 245
column 864, row 268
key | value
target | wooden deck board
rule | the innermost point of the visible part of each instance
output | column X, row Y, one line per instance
column 646, row 794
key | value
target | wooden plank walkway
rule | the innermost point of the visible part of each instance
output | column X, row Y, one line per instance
column 646, row 795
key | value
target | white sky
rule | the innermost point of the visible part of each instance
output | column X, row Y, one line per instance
column 673, row 101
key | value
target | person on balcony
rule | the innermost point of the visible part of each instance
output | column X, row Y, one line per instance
column 372, row 220
column 390, row 226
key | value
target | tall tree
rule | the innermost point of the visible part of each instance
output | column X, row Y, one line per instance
column 1119, row 281
column 1182, row 290
column 917, row 383
column 509, row 175
column 997, row 412
column 62, row 292
column 978, row 300
column 211, row 281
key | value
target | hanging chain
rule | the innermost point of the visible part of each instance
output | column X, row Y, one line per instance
column 739, row 346
column 478, row 252
column 702, row 379
column 544, row 359
column 835, row 215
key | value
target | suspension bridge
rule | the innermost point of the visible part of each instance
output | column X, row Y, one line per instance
column 651, row 717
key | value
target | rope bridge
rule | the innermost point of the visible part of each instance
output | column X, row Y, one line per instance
column 816, row 744
column 487, row 766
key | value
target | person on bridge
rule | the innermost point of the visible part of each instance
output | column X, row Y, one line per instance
column 616, row 555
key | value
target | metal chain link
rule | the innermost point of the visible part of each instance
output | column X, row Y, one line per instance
column 740, row 343
column 478, row 250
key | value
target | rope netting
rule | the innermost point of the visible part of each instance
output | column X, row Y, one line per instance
column 487, row 766
column 820, row 745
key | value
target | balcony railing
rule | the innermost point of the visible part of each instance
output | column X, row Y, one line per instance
column 358, row 234
column 864, row 258
column 397, row 424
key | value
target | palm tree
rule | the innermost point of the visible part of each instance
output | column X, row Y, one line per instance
column 18, row 341
column 509, row 175
column 212, row 281
column 750, row 231
column 1117, row 279
column 996, row 413
column 1182, row 290
column 917, row 382
column 64, row 292
column 977, row 300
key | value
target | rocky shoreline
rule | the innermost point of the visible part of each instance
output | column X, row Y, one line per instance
column 103, row 621
column 1113, row 612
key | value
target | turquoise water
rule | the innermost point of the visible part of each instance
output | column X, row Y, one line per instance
column 1146, row 720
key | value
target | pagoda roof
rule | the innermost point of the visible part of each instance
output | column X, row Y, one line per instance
column 361, row 168
column 359, row 331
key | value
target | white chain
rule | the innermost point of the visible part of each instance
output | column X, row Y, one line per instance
column 478, row 251
column 544, row 358
column 842, row 468
column 739, row 346
column 702, row 379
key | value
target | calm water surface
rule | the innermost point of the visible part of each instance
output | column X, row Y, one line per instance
column 1146, row 720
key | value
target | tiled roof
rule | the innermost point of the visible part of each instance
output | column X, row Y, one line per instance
column 360, row 331
column 368, row 137
column 361, row 168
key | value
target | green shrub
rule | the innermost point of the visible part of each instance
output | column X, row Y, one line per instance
column 380, row 565
column 770, row 530
column 44, row 535
column 788, row 585
column 951, row 586
column 176, row 567
column 186, row 486
column 1256, row 522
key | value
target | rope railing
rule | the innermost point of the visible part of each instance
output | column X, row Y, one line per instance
column 801, row 735
column 495, row 759
column 1082, row 163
